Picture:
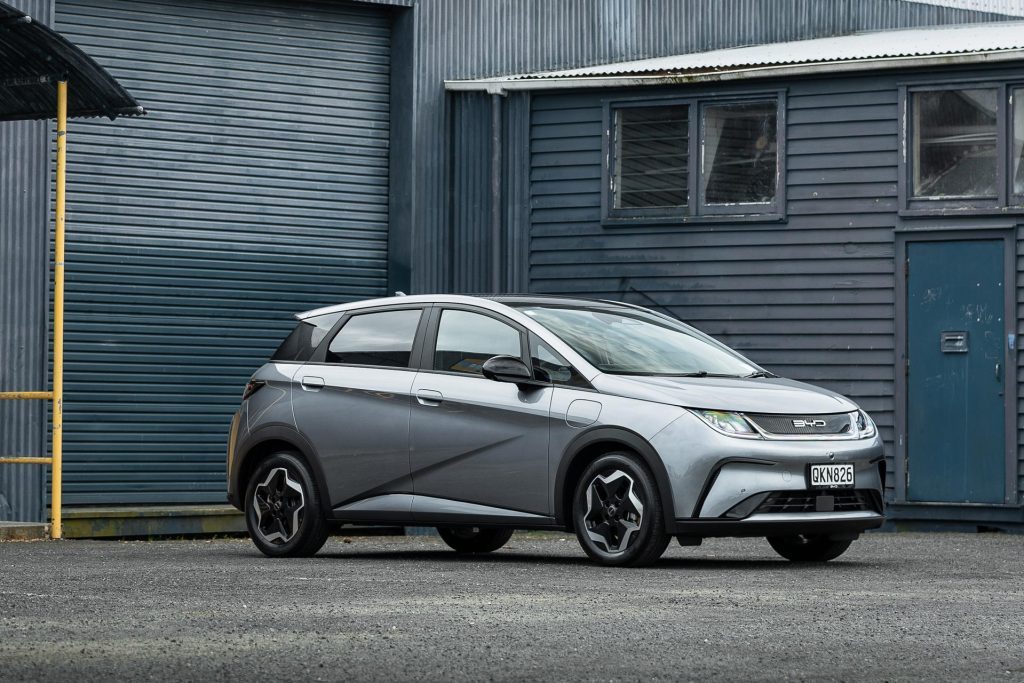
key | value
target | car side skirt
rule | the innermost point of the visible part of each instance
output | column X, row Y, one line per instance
column 414, row 510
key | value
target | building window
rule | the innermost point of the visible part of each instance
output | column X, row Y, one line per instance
column 693, row 160
column 1018, row 143
column 652, row 149
column 739, row 153
column 955, row 143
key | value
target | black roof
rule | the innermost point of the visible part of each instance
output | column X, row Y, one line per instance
column 33, row 57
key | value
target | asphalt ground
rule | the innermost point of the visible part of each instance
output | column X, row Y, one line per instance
column 895, row 607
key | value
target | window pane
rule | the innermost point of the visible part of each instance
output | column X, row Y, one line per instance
column 955, row 143
column 634, row 342
column 304, row 339
column 740, row 149
column 549, row 366
column 1018, row 141
column 376, row 339
column 651, row 153
column 466, row 340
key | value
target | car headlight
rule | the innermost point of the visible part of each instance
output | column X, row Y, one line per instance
column 865, row 425
column 732, row 424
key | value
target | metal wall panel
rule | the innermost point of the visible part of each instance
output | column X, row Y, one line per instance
column 455, row 39
column 256, row 187
column 24, row 273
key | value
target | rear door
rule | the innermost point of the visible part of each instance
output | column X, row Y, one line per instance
column 353, row 403
column 474, row 440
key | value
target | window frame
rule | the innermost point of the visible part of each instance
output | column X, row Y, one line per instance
column 696, row 210
column 426, row 358
column 1005, row 201
column 319, row 356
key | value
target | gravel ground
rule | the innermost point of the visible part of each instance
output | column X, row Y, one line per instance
column 895, row 607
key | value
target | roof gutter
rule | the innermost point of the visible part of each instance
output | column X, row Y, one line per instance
column 506, row 84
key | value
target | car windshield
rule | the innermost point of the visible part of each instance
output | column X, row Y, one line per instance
column 634, row 342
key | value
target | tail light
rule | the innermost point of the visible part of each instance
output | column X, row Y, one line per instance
column 252, row 387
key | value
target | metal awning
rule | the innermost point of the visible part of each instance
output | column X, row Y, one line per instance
column 33, row 58
column 903, row 48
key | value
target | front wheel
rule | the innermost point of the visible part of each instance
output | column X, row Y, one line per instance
column 617, row 512
column 474, row 539
column 807, row 548
column 282, row 508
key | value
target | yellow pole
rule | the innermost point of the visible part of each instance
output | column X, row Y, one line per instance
column 58, row 312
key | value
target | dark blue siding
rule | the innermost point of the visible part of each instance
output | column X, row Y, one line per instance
column 811, row 298
column 455, row 39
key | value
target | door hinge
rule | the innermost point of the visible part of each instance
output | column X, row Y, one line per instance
column 906, row 367
column 906, row 268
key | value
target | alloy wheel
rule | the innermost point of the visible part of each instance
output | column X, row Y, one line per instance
column 614, row 511
column 278, row 503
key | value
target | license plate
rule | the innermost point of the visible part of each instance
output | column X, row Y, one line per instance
column 837, row 476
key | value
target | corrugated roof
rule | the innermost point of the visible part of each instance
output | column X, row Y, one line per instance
column 877, row 49
column 34, row 57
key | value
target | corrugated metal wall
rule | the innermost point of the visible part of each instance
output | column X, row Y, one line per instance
column 24, row 270
column 454, row 39
column 256, row 187
column 811, row 298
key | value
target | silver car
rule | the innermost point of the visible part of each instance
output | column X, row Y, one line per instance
column 481, row 415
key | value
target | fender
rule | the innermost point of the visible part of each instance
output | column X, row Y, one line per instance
column 277, row 432
column 628, row 439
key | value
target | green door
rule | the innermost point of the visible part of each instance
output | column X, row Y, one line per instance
column 956, row 380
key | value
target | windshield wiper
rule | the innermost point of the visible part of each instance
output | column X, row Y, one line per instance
column 760, row 373
column 701, row 373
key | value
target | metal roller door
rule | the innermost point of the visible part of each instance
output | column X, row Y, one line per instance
column 256, row 187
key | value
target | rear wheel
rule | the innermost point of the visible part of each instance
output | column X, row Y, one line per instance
column 282, row 508
column 808, row 548
column 474, row 539
column 617, row 512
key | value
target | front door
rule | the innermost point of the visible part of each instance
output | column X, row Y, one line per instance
column 956, row 376
column 475, row 440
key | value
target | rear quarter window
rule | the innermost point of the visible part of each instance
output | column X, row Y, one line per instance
column 307, row 335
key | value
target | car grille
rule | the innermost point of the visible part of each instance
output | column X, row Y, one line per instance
column 807, row 501
column 790, row 425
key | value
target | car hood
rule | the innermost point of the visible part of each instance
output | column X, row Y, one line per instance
column 755, row 395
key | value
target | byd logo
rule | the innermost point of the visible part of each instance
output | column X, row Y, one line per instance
column 804, row 424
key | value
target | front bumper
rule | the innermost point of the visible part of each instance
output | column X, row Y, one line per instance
column 719, row 482
column 782, row 524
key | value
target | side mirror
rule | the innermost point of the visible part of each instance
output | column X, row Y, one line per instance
column 509, row 369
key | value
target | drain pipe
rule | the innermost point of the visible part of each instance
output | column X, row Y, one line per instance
column 497, row 233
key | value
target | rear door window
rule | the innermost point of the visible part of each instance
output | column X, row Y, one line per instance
column 382, row 339
column 307, row 335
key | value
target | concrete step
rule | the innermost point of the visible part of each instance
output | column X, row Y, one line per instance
column 23, row 531
column 127, row 521
column 151, row 520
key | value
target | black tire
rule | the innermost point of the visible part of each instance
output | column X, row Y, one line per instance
column 630, row 539
column 474, row 539
column 286, row 518
column 805, row 548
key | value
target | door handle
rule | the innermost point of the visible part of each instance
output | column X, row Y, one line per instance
column 429, row 397
column 313, row 383
column 999, row 372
